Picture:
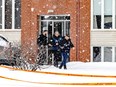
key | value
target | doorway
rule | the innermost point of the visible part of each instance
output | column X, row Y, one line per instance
column 52, row 23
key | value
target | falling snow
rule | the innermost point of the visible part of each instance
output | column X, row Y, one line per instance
column 32, row 9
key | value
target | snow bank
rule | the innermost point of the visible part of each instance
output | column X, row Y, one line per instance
column 18, row 78
column 92, row 68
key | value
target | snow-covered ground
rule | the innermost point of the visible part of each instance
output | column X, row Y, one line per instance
column 78, row 74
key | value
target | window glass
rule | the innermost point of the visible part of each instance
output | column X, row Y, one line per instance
column 50, row 27
column 107, row 14
column 96, row 54
column 47, row 17
column 0, row 14
column 97, row 14
column 17, row 14
column 68, row 27
column 8, row 14
column 43, row 26
column 107, row 54
column 59, row 26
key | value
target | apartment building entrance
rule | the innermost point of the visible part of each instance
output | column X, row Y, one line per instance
column 54, row 23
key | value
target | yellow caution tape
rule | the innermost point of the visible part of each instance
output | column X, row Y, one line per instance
column 51, row 83
column 57, row 73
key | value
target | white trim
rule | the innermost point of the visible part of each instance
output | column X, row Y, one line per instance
column 13, row 14
column 10, row 30
column 113, row 54
column 102, row 14
column 3, row 14
column 102, row 53
column 92, row 54
column 110, row 30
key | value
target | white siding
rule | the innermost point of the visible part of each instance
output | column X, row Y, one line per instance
column 103, row 37
column 11, row 35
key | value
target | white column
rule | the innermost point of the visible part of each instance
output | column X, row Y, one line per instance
column 3, row 14
column 102, row 14
column 13, row 14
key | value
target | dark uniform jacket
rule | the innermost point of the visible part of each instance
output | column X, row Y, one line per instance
column 42, row 40
column 66, row 45
column 55, row 42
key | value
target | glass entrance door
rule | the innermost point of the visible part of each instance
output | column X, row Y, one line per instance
column 59, row 26
column 54, row 23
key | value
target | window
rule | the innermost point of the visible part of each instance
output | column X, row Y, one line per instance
column 68, row 27
column 102, row 15
column 103, row 54
column 0, row 14
column 10, row 14
column 107, row 54
column 43, row 26
column 107, row 14
column 97, row 14
column 96, row 54
column 17, row 14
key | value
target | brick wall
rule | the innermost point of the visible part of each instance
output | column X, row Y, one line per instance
column 83, row 34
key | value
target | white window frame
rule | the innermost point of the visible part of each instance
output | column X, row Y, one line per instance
column 102, row 16
column 102, row 53
column 91, row 54
column 13, row 16
column 113, row 54
column 3, row 14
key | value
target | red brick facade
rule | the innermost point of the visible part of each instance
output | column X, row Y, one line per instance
column 79, row 11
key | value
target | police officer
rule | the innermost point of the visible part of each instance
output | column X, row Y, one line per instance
column 42, row 43
column 42, row 39
column 55, row 43
column 66, row 45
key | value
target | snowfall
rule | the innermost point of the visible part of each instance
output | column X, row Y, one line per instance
column 78, row 74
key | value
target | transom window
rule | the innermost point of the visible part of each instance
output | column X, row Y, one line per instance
column 10, row 14
column 103, row 14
